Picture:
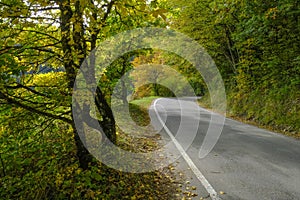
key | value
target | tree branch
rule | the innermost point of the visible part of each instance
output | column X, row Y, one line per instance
column 43, row 9
column 27, row 88
column 109, row 8
column 31, row 109
column 41, row 33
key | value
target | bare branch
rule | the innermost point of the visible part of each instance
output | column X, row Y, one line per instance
column 43, row 9
column 41, row 33
column 109, row 8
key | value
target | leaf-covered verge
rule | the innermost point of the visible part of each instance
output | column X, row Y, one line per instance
column 184, row 189
column 41, row 163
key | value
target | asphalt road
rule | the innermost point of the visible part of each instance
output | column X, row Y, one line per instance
column 246, row 163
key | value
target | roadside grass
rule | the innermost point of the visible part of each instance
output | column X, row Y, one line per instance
column 144, row 103
column 139, row 110
column 271, row 118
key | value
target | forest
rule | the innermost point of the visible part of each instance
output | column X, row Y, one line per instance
column 254, row 44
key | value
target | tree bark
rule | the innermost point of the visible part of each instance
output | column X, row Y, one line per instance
column 83, row 155
column 107, row 123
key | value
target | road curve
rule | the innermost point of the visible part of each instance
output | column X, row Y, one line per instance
column 246, row 163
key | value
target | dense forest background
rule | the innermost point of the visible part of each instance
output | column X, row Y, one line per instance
column 255, row 45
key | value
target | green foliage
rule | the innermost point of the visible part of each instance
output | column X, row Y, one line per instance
column 268, row 77
column 255, row 45
column 277, row 108
column 38, row 161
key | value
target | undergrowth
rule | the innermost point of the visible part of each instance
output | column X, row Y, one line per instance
column 43, row 165
column 275, row 109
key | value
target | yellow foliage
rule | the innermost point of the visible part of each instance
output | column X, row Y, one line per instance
column 50, row 79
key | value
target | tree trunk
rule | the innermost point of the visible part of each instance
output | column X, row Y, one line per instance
column 83, row 155
column 156, row 89
column 107, row 123
column 82, row 115
column 124, row 92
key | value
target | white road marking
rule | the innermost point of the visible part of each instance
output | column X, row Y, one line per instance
column 213, row 194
